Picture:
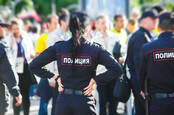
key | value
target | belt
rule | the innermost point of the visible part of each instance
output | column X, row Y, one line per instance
column 72, row 91
column 162, row 95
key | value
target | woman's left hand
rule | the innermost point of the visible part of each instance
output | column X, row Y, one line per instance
column 89, row 88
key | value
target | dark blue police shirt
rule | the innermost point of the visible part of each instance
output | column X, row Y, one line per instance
column 157, row 64
column 7, row 73
column 89, row 55
column 137, row 40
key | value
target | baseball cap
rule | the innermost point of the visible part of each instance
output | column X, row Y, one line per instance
column 149, row 13
column 166, row 15
column 3, row 24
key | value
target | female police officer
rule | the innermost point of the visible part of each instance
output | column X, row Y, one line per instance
column 157, row 63
column 77, row 60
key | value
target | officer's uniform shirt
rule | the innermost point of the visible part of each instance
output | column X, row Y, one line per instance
column 78, row 76
column 137, row 40
column 157, row 63
column 53, row 37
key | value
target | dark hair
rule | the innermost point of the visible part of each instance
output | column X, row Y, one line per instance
column 48, row 19
column 117, row 16
column 33, row 29
column 14, row 22
column 77, row 25
column 131, row 21
column 166, row 23
column 100, row 17
column 63, row 15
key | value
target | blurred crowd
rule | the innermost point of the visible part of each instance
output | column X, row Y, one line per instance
column 27, row 40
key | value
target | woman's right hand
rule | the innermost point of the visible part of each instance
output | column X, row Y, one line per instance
column 90, row 88
column 60, row 86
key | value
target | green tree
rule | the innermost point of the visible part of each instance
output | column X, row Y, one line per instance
column 27, row 4
column 5, row 2
column 43, row 7
column 15, row 5
column 169, row 6
column 146, row 4
column 64, row 3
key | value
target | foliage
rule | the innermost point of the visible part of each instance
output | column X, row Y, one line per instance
column 43, row 7
column 22, row 4
column 169, row 5
column 146, row 4
column 64, row 3
column 134, row 4
column 5, row 2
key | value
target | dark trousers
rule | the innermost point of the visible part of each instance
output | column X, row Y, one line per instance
column 24, row 85
column 139, row 101
column 75, row 105
column 55, row 94
column 162, row 106
column 46, row 93
column 106, row 96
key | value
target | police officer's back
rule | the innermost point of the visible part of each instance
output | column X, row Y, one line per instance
column 157, row 66
column 77, row 60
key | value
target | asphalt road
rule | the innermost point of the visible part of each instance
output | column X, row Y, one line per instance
column 34, row 108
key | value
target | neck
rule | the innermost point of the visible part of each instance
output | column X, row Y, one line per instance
column 50, row 30
column 18, row 38
column 63, row 28
column 103, row 32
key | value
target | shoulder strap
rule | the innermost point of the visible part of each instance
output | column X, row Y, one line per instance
column 147, row 37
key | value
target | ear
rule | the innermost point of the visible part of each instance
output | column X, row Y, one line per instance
column 159, row 29
column 62, row 22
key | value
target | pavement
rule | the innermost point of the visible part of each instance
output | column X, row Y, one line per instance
column 34, row 108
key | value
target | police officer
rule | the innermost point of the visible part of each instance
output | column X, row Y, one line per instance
column 7, row 76
column 141, row 36
column 77, row 60
column 156, row 65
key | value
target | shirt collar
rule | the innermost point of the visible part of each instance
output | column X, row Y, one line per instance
column 166, row 35
column 146, row 31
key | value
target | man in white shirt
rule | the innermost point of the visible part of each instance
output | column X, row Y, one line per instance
column 59, row 34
